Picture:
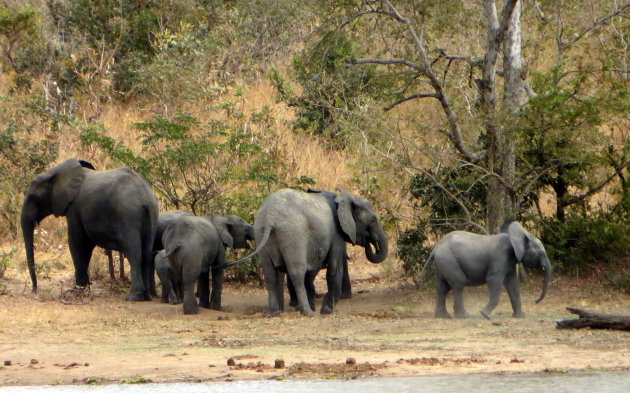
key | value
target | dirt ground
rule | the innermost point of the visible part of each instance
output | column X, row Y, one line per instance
column 386, row 329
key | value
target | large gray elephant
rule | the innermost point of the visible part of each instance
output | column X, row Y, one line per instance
column 468, row 259
column 300, row 233
column 195, row 246
column 113, row 209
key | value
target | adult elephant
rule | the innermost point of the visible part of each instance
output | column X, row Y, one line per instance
column 300, row 233
column 195, row 246
column 468, row 259
column 113, row 209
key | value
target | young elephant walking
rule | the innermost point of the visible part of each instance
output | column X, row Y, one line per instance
column 468, row 259
column 195, row 246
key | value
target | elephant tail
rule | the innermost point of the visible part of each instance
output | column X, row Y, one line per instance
column 418, row 279
column 265, row 238
column 169, row 253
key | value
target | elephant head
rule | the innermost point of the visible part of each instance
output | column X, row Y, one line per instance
column 49, row 193
column 234, row 231
column 530, row 251
column 360, row 223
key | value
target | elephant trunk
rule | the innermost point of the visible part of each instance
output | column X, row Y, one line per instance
column 28, row 227
column 380, row 244
column 546, row 265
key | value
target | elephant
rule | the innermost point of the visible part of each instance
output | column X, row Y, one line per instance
column 300, row 233
column 165, row 219
column 113, row 209
column 171, row 291
column 468, row 259
column 195, row 246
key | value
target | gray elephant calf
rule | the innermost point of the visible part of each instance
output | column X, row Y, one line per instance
column 171, row 290
column 468, row 259
column 194, row 246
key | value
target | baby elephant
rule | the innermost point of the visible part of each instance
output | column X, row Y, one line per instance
column 171, row 290
column 194, row 246
column 467, row 259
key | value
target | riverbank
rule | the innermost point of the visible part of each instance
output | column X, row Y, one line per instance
column 386, row 330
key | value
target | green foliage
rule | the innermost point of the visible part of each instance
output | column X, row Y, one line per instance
column 136, row 380
column 334, row 94
column 22, row 46
column 5, row 259
column 450, row 195
column 414, row 252
column 580, row 240
column 29, row 143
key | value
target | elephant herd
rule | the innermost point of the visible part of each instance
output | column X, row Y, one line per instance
column 297, row 234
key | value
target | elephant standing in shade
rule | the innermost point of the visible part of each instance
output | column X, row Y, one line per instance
column 194, row 246
column 300, row 233
column 114, row 209
column 468, row 259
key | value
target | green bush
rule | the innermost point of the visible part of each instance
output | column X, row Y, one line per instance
column 414, row 252
column 578, row 241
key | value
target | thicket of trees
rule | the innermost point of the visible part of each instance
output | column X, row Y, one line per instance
column 482, row 108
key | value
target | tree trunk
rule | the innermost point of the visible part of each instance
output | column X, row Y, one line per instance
column 594, row 320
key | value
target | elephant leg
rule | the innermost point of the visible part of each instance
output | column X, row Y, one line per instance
column 203, row 289
column 81, row 248
column 139, row 272
column 190, row 301
column 494, row 287
column 217, row 287
column 298, row 275
column 334, row 278
column 442, row 289
column 458, row 302
column 165, row 281
column 514, row 293
column 346, row 287
column 293, row 302
column 310, row 287
column 274, row 279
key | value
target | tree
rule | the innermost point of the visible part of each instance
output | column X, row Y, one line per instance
column 480, row 94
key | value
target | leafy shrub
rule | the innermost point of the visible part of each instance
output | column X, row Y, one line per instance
column 578, row 241
column 414, row 252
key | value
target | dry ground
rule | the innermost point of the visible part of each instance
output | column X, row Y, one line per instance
column 387, row 327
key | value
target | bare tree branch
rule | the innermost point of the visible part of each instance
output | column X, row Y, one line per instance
column 600, row 21
column 408, row 98
column 388, row 62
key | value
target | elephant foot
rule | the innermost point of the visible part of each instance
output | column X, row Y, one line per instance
column 519, row 314
column 138, row 296
column 443, row 314
column 191, row 309
column 307, row 312
column 461, row 315
column 293, row 303
column 485, row 314
column 216, row 308
column 326, row 310
column 271, row 314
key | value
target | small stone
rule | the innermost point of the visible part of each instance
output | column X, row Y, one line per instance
column 496, row 323
column 7, row 363
column 34, row 361
column 351, row 361
column 231, row 362
column 279, row 363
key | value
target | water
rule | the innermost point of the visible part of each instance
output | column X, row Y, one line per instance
column 596, row 382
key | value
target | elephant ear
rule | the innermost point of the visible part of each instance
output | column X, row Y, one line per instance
column 344, row 201
column 66, row 180
column 223, row 227
column 519, row 238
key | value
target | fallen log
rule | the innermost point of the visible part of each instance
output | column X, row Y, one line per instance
column 594, row 320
